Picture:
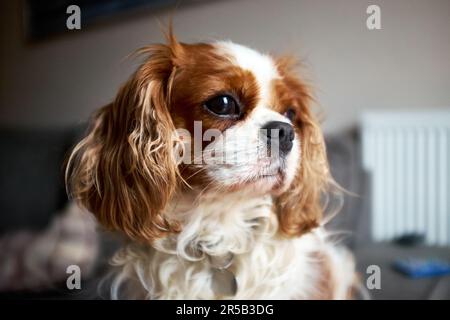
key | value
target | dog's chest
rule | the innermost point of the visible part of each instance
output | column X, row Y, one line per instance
column 231, row 251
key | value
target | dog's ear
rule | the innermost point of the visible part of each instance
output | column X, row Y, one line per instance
column 124, row 171
column 300, row 207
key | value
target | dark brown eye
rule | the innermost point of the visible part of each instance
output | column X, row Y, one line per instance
column 290, row 114
column 223, row 106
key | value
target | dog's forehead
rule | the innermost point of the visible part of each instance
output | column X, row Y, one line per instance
column 260, row 65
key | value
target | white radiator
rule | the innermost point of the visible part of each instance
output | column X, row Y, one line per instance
column 408, row 156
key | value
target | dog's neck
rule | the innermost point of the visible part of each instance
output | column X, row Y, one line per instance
column 217, row 224
column 216, row 228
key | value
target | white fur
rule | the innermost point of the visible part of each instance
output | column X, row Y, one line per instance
column 261, row 65
column 266, row 265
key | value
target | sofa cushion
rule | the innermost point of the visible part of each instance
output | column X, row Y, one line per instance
column 353, row 220
column 31, row 176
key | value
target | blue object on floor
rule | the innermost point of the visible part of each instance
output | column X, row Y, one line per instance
column 419, row 268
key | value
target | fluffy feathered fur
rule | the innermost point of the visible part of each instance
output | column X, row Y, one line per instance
column 267, row 211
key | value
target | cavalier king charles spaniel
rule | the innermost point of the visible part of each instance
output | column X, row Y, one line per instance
column 211, row 164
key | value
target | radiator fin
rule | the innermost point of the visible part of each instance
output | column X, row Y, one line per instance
column 408, row 157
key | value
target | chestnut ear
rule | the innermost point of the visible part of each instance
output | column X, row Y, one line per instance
column 300, row 208
column 124, row 171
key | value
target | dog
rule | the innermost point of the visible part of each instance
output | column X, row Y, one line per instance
column 213, row 166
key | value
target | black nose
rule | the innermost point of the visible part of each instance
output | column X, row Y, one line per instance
column 281, row 133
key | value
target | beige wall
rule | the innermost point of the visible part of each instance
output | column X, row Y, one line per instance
column 404, row 65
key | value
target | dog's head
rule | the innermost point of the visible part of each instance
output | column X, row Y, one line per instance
column 216, row 117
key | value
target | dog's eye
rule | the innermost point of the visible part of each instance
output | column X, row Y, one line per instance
column 290, row 114
column 223, row 106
